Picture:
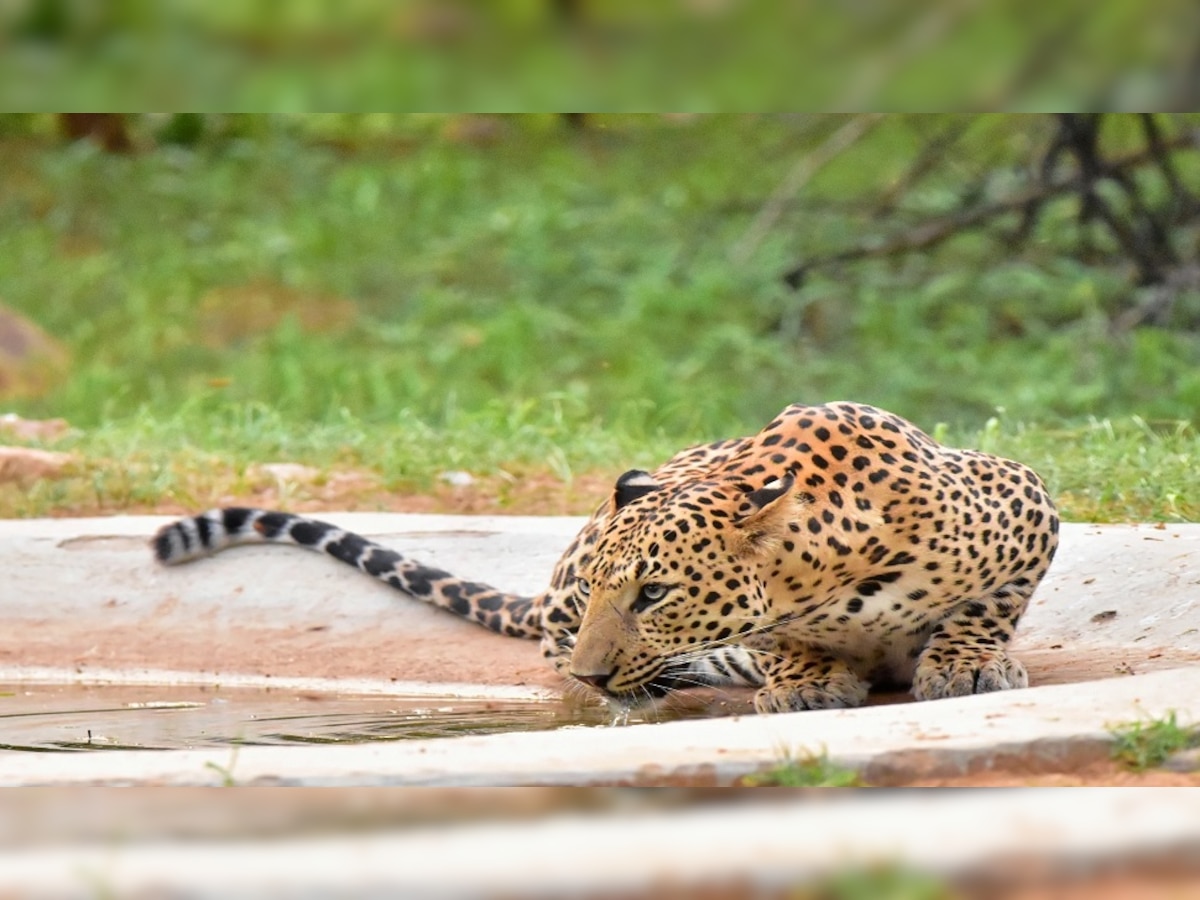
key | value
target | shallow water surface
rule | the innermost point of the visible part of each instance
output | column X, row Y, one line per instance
column 73, row 717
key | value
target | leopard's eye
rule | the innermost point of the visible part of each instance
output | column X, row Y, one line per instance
column 653, row 592
column 581, row 585
column 649, row 595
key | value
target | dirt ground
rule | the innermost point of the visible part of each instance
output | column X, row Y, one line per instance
column 532, row 494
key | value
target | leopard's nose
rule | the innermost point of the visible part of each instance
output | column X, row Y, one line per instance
column 597, row 680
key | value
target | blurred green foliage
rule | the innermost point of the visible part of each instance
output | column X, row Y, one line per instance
column 698, row 55
column 803, row 769
column 517, row 283
column 881, row 882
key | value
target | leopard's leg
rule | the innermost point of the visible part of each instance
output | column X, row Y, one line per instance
column 800, row 676
column 967, row 651
column 561, row 617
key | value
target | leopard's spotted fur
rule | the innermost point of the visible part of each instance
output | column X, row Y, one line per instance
column 837, row 548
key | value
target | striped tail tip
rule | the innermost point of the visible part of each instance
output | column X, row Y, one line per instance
column 197, row 536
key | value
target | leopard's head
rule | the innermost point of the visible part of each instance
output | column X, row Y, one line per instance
column 675, row 574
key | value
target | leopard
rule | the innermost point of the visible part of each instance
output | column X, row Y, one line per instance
column 840, row 549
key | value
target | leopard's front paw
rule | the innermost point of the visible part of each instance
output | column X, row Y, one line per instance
column 976, row 673
column 838, row 691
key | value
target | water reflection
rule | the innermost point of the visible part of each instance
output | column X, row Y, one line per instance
column 57, row 718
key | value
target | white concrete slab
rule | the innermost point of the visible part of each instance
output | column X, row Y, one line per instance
column 83, row 596
column 1119, row 599
column 721, row 850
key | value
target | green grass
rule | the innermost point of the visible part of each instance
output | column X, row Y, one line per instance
column 197, row 456
column 884, row 882
column 1147, row 744
column 1125, row 470
column 556, row 305
column 1104, row 471
column 804, row 770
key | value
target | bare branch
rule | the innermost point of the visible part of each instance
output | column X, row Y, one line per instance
column 1183, row 202
column 932, row 233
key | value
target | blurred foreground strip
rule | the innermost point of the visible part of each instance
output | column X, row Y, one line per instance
column 560, row 842
column 694, row 55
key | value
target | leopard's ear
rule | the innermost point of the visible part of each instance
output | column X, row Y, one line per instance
column 762, row 518
column 756, row 502
column 633, row 484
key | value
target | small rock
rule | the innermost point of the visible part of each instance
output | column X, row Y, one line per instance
column 293, row 472
column 458, row 478
column 14, row 426
column 24, row 464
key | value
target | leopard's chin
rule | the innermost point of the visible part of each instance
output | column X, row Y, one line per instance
column 669, row 679
column 644, row 696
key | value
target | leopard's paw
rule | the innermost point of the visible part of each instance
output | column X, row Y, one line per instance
column 838, row 691
column 974, row 673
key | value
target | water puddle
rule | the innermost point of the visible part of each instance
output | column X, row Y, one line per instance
column 49, row 718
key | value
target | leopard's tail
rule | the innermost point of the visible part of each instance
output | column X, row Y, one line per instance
column 217, row 529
